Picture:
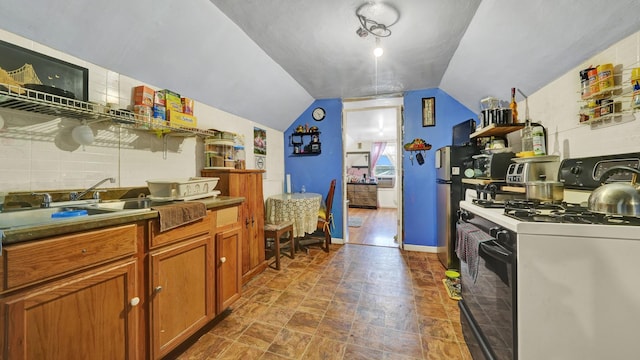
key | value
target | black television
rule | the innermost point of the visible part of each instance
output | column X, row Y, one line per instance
column 461, row 133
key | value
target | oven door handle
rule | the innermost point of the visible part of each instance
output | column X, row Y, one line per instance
column 496, row 251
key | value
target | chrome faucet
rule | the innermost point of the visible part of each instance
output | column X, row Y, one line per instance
column 46, row 199
column 75, row 196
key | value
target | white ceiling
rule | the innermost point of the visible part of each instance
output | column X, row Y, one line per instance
column 268, row 60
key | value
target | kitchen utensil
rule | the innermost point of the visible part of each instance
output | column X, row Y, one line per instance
column 545, row 191
column 619, row 198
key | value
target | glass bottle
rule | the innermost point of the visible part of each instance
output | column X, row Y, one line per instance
column 538, row 139
column 513, row 105
column 527, row 137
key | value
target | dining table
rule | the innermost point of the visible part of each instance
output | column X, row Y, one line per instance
column 300, row 207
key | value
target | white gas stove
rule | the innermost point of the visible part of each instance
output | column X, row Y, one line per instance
column 576, row 288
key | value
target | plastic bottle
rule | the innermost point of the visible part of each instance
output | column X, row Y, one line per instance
column 537, row 134
column 527, row 137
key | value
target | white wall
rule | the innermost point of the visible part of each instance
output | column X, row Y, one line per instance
column 557, row 105
column 37, row 153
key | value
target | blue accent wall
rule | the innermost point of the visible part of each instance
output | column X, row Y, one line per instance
column 420, row 180
column 315, row 172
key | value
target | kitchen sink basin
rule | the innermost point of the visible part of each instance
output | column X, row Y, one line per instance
column 39, row 216
column 124, row 204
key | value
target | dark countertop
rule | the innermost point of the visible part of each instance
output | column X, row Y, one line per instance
column 363, row 183
column 29, row 232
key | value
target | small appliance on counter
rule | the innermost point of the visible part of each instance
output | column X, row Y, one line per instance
column 492, row 165
column 530, row 169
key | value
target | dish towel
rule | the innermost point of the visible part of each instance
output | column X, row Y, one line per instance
column 469, row 238
column 177, row 214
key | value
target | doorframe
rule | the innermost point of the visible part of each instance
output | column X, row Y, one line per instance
column 368, row 105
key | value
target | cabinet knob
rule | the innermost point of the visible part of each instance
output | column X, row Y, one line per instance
column 223, row 259
column 157, row 289
column 135, row 301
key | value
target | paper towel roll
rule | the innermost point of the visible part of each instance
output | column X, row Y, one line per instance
column 288, row 183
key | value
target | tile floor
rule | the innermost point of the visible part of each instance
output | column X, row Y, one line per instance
column 357, row 302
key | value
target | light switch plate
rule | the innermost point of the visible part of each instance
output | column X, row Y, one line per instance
column 455, row 170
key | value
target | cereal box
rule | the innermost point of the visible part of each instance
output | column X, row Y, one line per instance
column 172, row 100
column 187, row 106
column 143, row 95
column 178, row 119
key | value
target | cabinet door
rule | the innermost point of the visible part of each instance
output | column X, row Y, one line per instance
column 94, row 314
column 257, row 220
column 182, row 286
column 229, row 270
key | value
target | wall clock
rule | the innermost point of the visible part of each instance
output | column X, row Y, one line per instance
column 318, row 114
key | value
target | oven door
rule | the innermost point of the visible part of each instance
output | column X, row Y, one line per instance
column 488, row 311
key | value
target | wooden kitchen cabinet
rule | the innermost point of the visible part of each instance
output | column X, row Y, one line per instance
column 73, row 295
column 247, row 184
column 182, row 291
column 93, row 314
column 228, row 257
column 228, row 271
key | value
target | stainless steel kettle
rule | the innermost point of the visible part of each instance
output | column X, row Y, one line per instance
column 620, row 198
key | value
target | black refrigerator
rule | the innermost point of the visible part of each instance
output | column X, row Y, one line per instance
column 451, row 162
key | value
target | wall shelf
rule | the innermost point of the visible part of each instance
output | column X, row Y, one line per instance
column 313, row 147
column 18, row 98
column 496, row 130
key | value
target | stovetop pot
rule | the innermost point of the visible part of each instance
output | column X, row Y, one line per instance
column 545, row 191
column 619, row 198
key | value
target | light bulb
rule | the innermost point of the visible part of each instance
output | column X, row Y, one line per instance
column 378, row 50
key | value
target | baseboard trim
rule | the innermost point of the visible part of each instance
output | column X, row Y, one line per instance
column 420, row 248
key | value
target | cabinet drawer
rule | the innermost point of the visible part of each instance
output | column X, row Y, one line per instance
column 39, row 260
column 180, row 233
column 228, row 216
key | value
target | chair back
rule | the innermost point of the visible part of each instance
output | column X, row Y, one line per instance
column 329, row 200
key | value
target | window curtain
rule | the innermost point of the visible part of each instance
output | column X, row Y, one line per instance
column 376, row 150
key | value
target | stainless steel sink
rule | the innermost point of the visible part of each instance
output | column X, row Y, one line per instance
column 125, row 204
column 39, row 216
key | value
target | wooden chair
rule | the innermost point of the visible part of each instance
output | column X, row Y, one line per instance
column 274, row 232
column 325, row 220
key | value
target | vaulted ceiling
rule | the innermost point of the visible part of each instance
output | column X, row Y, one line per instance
column 268, row 60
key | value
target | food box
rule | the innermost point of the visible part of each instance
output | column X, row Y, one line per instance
column 143, row 95
column 178, row 119
column 159, row 112
column 142, row 115
column 183, row 189
column 187, row 105
column 158, row 98
column 172, row 100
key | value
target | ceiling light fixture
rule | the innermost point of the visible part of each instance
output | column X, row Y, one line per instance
column 376, row 19
column 378, row 51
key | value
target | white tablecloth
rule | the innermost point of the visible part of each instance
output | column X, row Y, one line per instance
column 302, row 208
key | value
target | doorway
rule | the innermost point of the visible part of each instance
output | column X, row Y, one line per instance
column 372, row 171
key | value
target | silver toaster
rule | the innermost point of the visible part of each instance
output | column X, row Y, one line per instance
column 523, row 172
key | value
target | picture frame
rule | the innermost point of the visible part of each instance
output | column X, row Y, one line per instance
column 428, row 111
column 41, row 69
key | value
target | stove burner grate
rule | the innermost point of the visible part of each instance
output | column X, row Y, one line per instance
column 533, row 211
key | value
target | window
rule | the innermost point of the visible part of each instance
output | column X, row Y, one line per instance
column 384, row 167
